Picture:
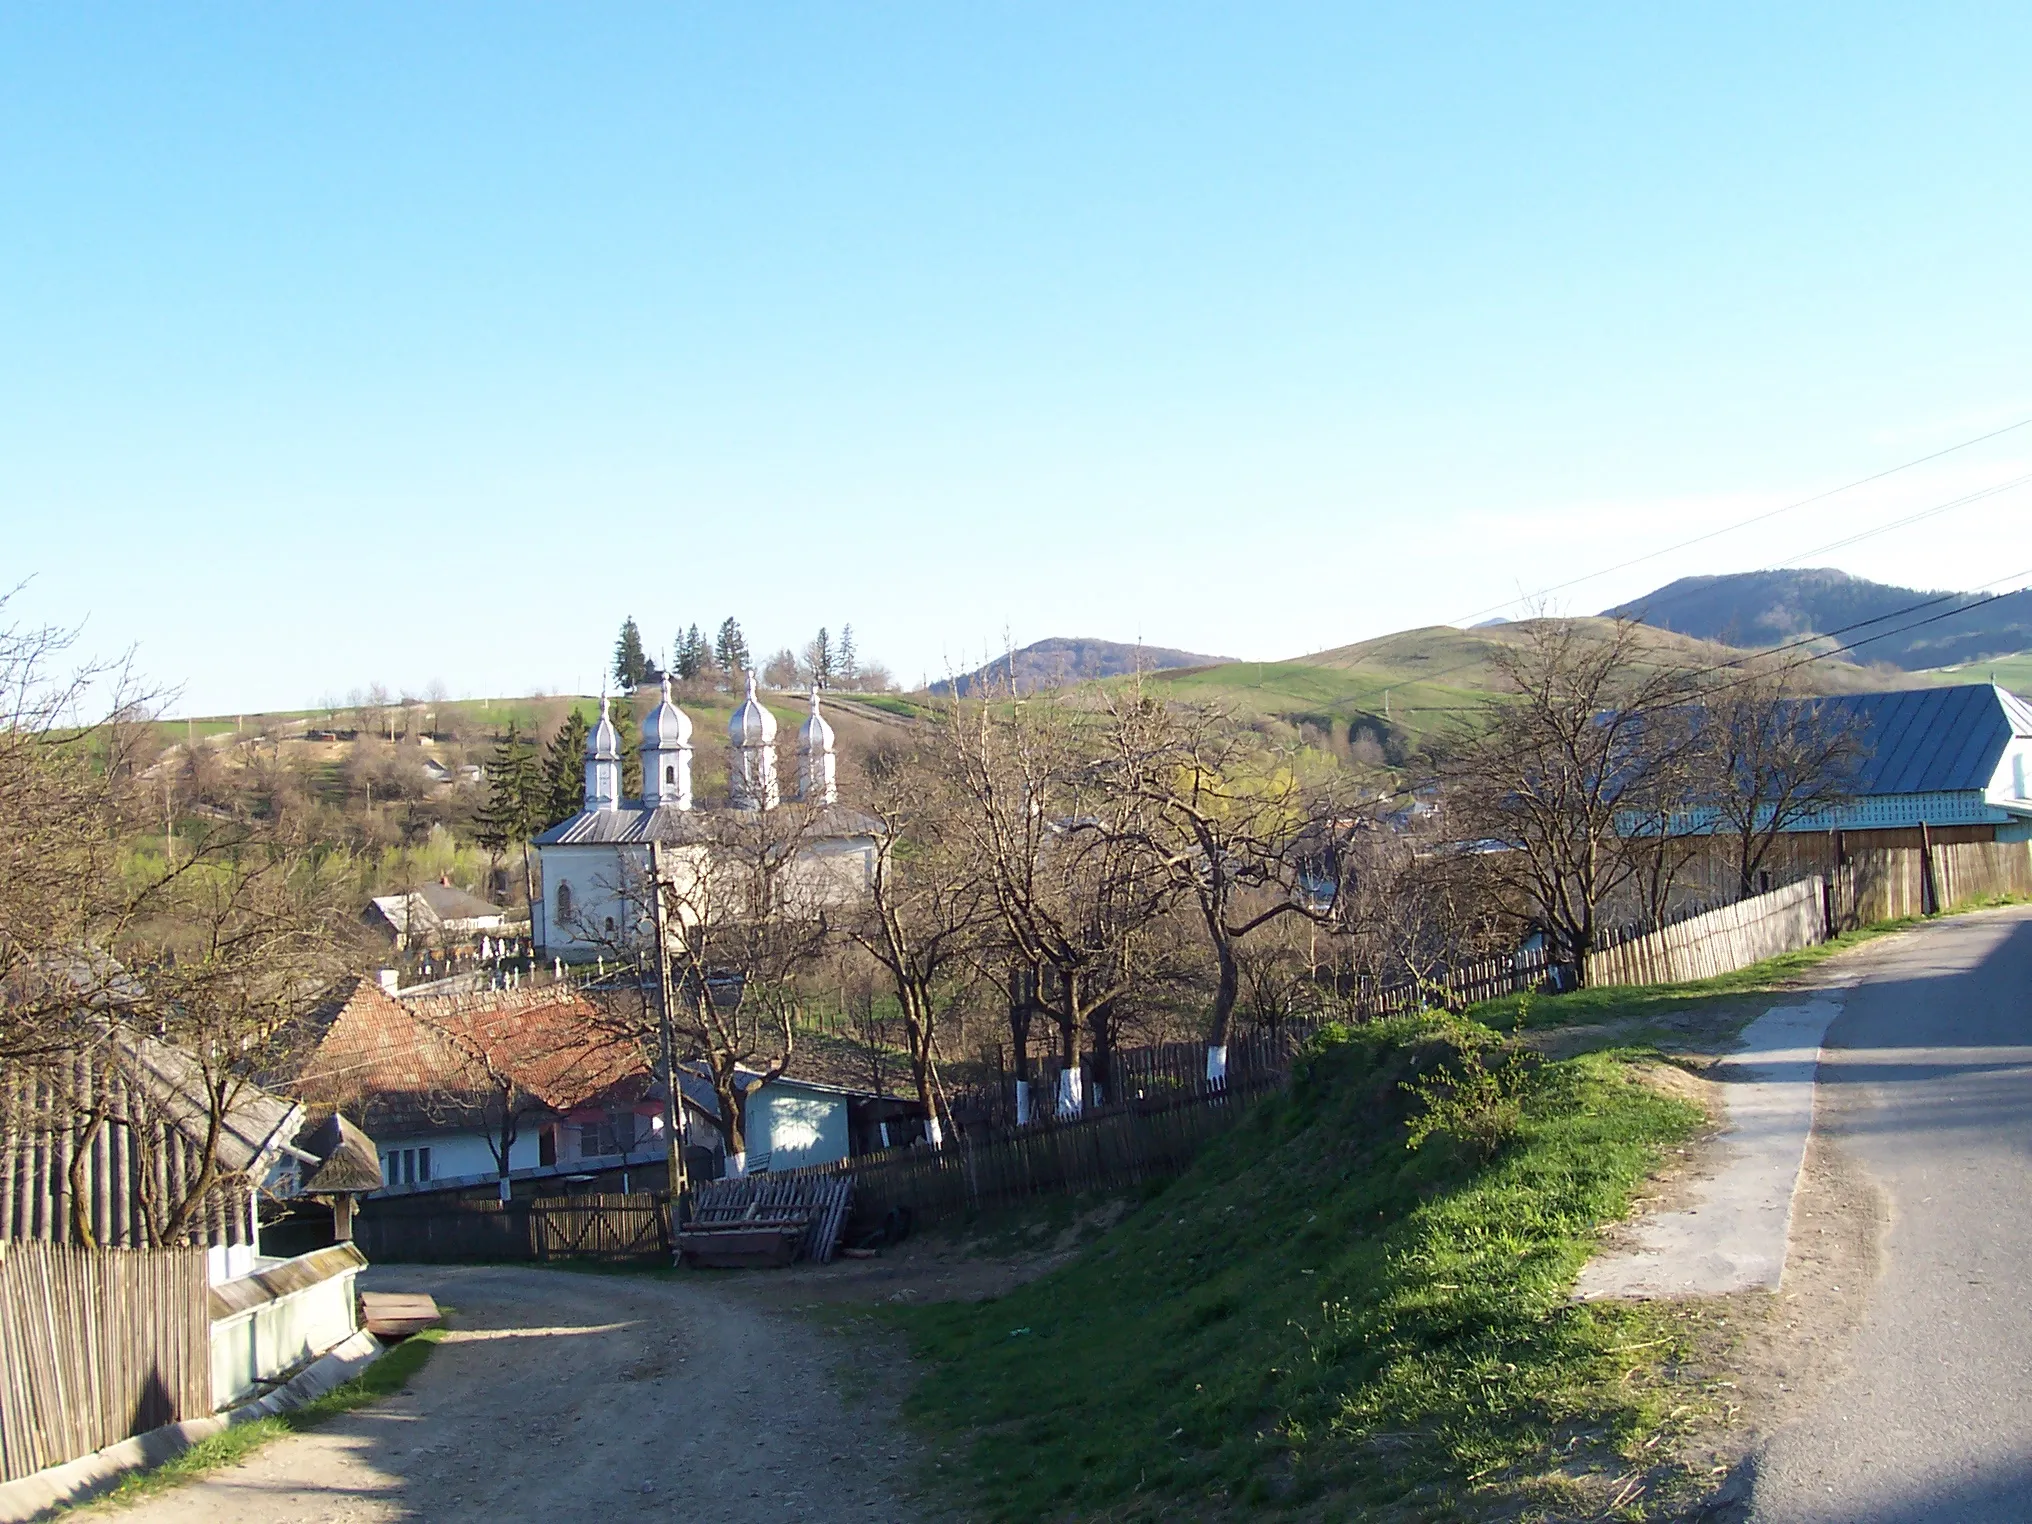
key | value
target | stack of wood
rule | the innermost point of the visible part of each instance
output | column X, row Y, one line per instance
column 758, row 1221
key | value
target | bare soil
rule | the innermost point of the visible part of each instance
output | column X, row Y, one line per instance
column 561, row 1397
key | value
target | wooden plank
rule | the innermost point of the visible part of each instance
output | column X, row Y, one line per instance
column 398, row 1314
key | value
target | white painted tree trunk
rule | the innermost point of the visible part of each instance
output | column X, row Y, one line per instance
column 1069, row 1104
column 934, row 1134
column 1217, row 1064
column 737, row 1165
column 1023, row 1103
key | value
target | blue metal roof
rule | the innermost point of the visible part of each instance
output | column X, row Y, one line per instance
column 1933, row 740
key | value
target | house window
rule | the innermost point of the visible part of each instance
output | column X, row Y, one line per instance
column 423, row 1164
column 564, row 904
column 615, row 1134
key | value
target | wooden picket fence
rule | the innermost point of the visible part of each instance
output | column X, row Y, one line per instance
column 97, row 1345
column 1108, row 1151
column 1718, row 941
column 441, row 1228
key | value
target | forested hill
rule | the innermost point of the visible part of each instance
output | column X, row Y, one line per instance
column 1056, row 662
column 1767, row 608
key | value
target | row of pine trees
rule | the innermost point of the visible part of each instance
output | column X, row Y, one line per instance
column 825, row 660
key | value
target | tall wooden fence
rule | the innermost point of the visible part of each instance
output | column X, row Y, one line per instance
column 1719, row 941
column 440, row 1228
column 97, row 1345
column 1975, row 870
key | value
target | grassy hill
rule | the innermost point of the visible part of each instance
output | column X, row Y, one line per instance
column 1320, row 1316
column 1415, row 682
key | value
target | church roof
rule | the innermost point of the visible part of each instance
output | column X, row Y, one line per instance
column 752, row 724
column 666, row 823
column 604, row 743
column 666, row 725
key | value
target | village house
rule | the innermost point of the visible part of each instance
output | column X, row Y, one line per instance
column 437, row 915
column 433, row 1079
column 1957, row 761
column 595, row 864
column 60, row 1181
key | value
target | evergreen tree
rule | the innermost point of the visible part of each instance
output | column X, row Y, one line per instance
column 731, row 651
column 849, row 660
column 623, row 715
column 819, row 660
column 564, row 769
column 517, row 796
column 692, row 658
column 632, row 666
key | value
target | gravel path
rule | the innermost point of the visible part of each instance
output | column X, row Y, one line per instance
column 563, row 1397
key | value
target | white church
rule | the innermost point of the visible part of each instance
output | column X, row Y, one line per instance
column 595, row 864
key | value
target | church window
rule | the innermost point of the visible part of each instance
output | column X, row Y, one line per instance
column 669, row 773
column 564, row 906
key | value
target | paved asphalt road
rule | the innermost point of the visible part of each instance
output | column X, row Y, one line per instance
column 1927, row 1082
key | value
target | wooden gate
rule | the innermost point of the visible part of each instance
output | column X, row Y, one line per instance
column 618, row 1228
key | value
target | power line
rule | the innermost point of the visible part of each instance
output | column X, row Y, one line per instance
column 1757, row 518
column 1910, row 519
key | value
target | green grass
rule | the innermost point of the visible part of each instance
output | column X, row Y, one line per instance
column 1621, row 1002
column 1318, row 1314
column 386, row 1376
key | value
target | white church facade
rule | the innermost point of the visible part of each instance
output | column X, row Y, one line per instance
column 595, row 865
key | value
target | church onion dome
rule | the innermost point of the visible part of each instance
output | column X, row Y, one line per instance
column 666, row 725
column 604, row 743
column 816, row 735
column 752, row 724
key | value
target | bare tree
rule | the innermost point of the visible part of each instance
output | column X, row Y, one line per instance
column 748, row 914
column 1774, row 759
column 1064, row 863
column 1564, row 758
column 1224, row 819
column 926, row 911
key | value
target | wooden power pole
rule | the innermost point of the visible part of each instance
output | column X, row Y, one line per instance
column 673, row 1106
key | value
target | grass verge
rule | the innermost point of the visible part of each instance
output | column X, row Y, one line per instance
column 1621, row 1002
column 1319, row 1314
column 384, row 1377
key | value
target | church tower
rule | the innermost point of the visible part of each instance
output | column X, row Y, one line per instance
column 815, row 757
column 666, row 756
column 603, row 764
column 751, row 769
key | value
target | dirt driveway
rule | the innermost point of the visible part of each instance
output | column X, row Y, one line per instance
column 564, row 1397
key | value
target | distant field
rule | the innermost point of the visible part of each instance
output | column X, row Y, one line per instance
column 2013, row 672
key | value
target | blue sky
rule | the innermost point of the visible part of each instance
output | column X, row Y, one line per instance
column 407, row 343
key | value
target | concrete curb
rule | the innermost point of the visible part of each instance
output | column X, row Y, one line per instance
column 30, row 1497
column 1733, row 1235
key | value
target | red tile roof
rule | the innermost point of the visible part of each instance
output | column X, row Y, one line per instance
column 387, row 1056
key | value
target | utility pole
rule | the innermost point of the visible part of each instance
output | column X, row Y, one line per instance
column 673, row 1109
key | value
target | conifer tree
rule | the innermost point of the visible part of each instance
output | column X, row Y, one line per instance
column 623, row 715
column 632, row 666
column 564, row 769
column 517, row 795
column 848, row 660
column 692, row 657
column 731, row 651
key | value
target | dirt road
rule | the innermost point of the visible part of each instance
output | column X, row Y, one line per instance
column 563, row 1397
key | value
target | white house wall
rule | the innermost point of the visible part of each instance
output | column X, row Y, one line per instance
column 796, row 1127
column 457, row 1153
column 2011, row 787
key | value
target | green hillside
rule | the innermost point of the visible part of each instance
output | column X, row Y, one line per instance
column 1416, row 681
column 1320, row 1314
column 2013, row 672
